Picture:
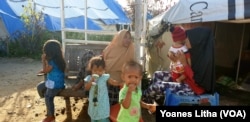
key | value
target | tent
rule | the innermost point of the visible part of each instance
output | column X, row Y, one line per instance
column 9, row 20
column 192, row 11
column 197, row 11
column 10, row 12
column 117, row 9
column 3, row 31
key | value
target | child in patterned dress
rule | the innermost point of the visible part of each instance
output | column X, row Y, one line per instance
column 96, row 83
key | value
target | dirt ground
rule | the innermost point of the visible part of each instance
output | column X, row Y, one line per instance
column 19, row 101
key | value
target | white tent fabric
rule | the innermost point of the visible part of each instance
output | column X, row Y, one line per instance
column 73, row 8
column 191, row 11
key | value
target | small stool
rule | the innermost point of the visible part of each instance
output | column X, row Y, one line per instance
column 172, row 99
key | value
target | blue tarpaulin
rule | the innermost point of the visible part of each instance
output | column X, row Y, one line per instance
column 108, row 11
column 117, row 9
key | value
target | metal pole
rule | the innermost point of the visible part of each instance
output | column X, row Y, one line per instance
column 143, row 35
column 241, row 45
column 63, row 26
column 138, row 28
column 85, row 20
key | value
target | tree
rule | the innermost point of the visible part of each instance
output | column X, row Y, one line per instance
column 154, row 7
column 29, row 42
column 33, row 21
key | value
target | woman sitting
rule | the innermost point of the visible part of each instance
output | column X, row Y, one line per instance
column 200, row 77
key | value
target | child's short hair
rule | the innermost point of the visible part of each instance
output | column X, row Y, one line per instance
column 96, row 61
column 132, row 64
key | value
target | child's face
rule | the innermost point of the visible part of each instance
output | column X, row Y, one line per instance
column 181, row 42
column 97, row 70
column 131, row 76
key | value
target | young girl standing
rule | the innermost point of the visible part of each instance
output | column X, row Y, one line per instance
column 96, row 83
column 53, row 66
column 130, row 94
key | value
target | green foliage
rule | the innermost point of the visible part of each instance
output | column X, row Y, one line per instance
column 4, row 47
column 22, row 43
column 33, row 21
column 81, row 36
column 29, row 42
column 100, row 37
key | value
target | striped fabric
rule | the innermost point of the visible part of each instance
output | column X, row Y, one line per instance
column 191, row 11
column 188, row 11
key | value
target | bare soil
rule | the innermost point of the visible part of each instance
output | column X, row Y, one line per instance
column 19, row 101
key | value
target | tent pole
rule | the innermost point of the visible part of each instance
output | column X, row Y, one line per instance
column 85, row 21
column 241, row 45
column 138, row 28
column 143, row 35
column 215, row 28
column 63, row 26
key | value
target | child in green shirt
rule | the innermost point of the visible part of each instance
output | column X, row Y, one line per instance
column 130, row 94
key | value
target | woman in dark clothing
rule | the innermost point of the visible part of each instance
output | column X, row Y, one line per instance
column 200, row 77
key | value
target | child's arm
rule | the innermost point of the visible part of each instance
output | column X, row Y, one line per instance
column 88, row 85
column 127, row 100
column 46, row 67
column 78, row 85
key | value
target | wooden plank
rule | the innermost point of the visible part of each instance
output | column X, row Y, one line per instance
column 71, row 93
column 68, row 108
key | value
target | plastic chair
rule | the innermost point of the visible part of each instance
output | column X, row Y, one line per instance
column 172, row 99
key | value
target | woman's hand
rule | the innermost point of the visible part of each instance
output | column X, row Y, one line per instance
column 152, row 108
column 172, row 57
column 181, row 57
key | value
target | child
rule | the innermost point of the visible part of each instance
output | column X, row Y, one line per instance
column 54, row 67
column 96, row 83
column 179, row 36
column 83, row 70
column 130, row 94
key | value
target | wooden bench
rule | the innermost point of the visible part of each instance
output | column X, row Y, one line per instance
column 69, row 92
column 73, row 56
